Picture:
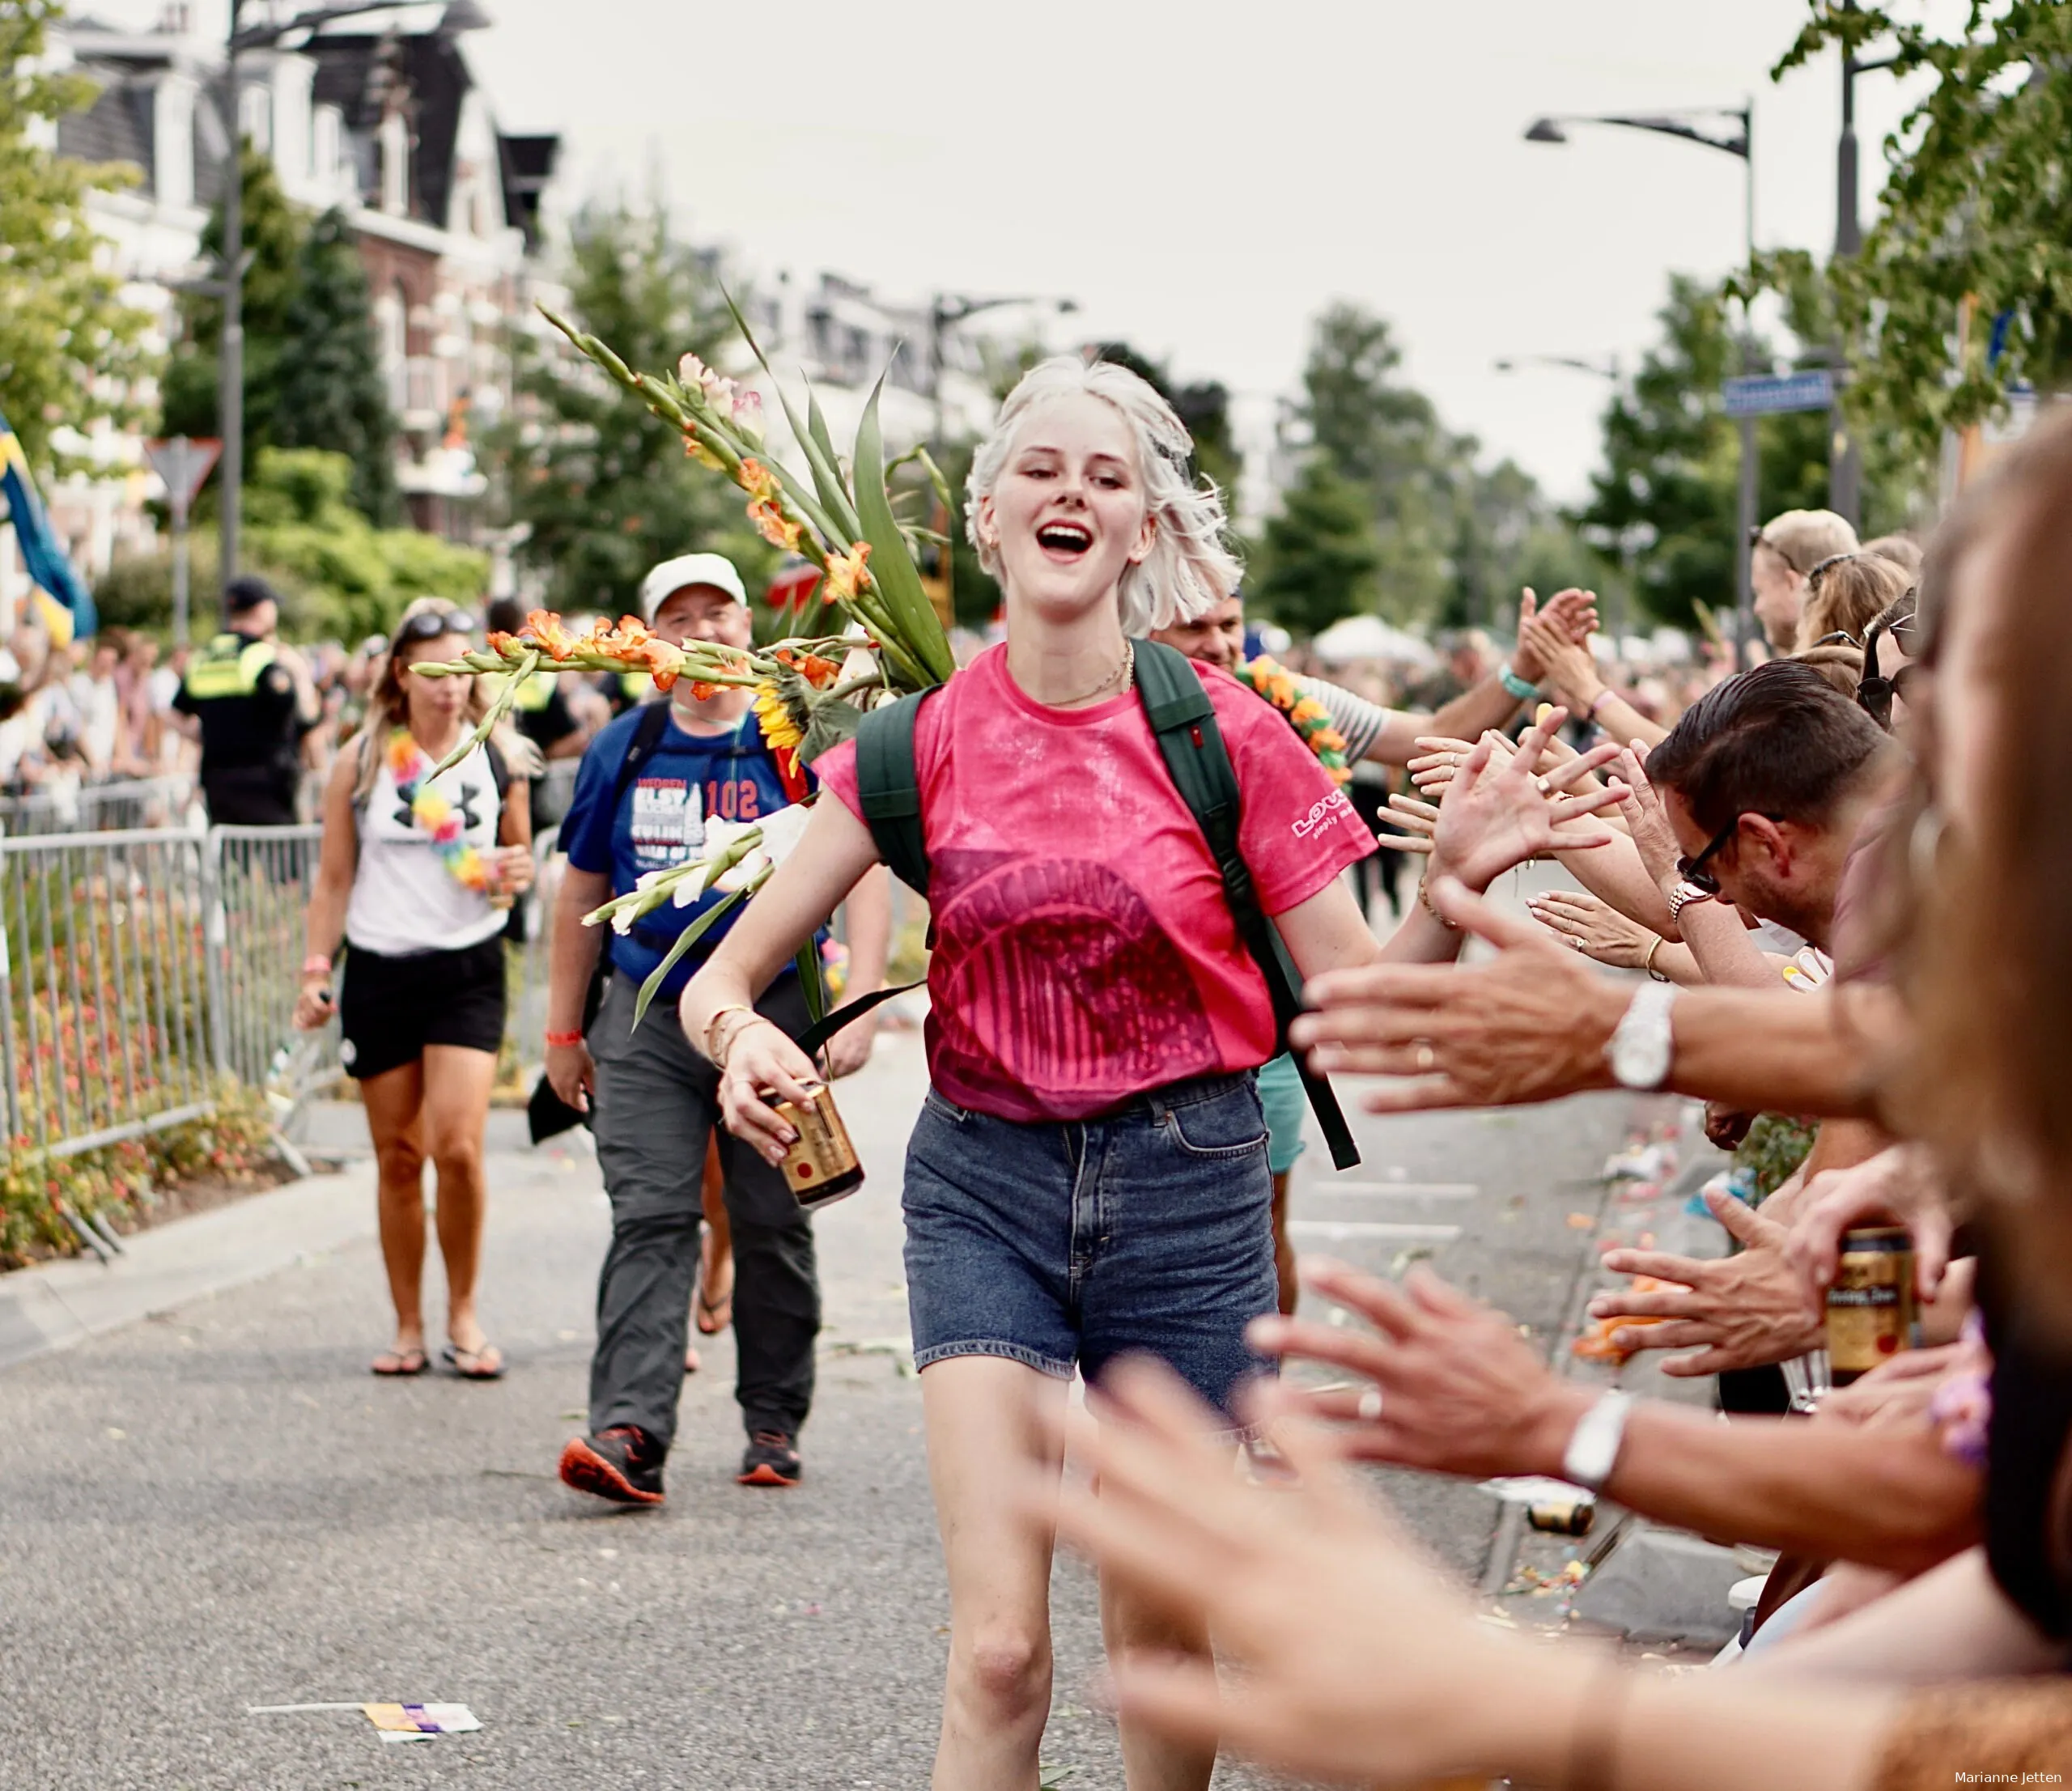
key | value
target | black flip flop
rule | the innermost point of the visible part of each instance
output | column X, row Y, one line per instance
column 468, row 1363
column 408, row 1362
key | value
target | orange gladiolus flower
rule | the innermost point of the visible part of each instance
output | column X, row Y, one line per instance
column 543, row 628
column 758, row 481
column 846, row 571
column 774, row 527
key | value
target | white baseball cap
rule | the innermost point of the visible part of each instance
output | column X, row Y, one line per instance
column 716, row 569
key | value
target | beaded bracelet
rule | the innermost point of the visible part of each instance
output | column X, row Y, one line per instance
column 560, row 1041
column 1518, row 687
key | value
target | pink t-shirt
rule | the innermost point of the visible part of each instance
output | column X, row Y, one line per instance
column 1084, row 952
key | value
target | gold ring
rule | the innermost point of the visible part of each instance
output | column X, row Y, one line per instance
column 1426, row 1058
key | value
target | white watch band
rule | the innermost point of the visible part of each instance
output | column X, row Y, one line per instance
column 1593, row 1451
column 1643, row 1046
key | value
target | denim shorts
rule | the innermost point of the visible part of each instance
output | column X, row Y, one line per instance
column 1065, row 1244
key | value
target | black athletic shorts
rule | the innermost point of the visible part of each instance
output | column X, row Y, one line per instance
column 390, row 1009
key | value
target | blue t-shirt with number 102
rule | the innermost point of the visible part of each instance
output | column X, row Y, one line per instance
column 660, row 822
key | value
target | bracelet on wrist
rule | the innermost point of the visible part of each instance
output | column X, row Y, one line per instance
column 1523, row 689
column 1647, row 963
column 1597, row 702
column 1425, row 901
column 560, row 1041
column 717, row 1042
column 316, row 964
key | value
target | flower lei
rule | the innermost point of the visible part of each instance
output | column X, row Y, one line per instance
column 432, row 812
column 1307, row 716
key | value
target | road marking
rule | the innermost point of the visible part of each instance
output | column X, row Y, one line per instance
column 1340, row 1231
column 1406, row 1191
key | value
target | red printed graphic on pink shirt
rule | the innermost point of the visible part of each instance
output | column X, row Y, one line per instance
column 1084, row 952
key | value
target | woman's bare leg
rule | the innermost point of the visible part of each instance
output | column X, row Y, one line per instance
column 393, row 1101
column 1150, row 1761
column 457, row 1081
column 991, row 1423
column 715, row 1261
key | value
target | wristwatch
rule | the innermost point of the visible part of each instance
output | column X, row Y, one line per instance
column 1683, row 895
column 1640, row 1047
column 1593, row 1451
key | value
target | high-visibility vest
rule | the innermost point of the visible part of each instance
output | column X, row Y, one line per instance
column 230, row 665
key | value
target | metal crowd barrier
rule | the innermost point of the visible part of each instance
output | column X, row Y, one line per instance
column 139, row 969
column 124, row 805
column 105, row 986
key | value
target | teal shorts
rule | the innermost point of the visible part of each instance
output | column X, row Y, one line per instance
column 1280, row 1094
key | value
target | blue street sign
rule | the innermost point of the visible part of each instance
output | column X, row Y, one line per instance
column 1763, row 394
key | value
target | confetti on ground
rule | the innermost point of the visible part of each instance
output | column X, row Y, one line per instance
column 395, row 1722
column 1540, row 1584
column 1582, row 1221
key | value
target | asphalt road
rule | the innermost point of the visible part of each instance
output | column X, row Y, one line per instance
column 219, row 1507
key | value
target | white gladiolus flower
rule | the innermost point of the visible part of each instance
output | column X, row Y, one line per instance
column 745, row 872
column 781, row 831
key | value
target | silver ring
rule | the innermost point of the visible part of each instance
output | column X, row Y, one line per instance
column 1370, row 1406
column 1542, row 785
column 1576, row 942
column 1426, row 1058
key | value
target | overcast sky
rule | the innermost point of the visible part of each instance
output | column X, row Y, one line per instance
column 1202, row 176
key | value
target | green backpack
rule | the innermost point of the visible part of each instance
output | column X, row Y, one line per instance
column 1184, row 721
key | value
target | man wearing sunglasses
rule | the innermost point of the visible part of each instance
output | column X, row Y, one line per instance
column 250, row 700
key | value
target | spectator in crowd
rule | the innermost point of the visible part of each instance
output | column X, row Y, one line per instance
column 1845, row 595
column 1903, row 551
column 248, row 699
column 1786, row 550
column 1349, row 1660
column 97, row 701
column 417, row 873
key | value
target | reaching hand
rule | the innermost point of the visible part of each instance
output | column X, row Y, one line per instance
column 1530, row 1023
column 1739, row 1311
column 1497, row 815
column 1570, row 667
column 1455, row 1388
column 1596, row 928
column 1647, row 821
column 1417, row 820
column 1350, row 1658
column 1899, row 1186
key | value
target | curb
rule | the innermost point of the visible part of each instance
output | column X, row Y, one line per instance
column 55, row 1305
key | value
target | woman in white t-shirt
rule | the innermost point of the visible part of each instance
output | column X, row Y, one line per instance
column 417, row 880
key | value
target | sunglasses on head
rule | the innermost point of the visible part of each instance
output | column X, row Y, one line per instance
column 1874, row 691
column 430, row 624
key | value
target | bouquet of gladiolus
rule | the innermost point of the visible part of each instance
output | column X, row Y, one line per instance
column 810, row 692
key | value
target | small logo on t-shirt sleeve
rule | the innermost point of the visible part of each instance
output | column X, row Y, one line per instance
column 1325, row 812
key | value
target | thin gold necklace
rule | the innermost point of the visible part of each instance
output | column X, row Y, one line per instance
column 1120, row 676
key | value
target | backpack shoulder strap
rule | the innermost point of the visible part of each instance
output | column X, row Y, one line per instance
column 888, row 788
column 1183, row 721
column 647, row 736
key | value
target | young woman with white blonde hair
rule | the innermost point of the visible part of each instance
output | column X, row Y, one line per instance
column 1088, row 1178
column 416, row 879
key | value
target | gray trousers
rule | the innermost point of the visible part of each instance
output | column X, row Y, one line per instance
column 657, row 1107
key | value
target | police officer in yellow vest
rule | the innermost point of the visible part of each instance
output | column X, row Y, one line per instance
column 252, row 700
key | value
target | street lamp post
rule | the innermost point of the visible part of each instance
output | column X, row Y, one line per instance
column 461, row 15
column 1845, row 462
column 1739, row 142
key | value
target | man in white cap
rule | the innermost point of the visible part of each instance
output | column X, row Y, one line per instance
column 648, row 784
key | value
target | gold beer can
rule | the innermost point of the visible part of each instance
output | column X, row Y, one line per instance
column 1562, row 1517
column 822, row 1166
column 1870, row 1301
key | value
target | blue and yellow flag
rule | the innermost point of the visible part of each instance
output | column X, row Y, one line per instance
column 67, row 605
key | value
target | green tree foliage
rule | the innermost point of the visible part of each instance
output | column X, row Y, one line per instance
column 274, row 231
column 339, row 576
column 329, row 391
column 313, row 368
column 71, row 352
column 1666, row 501
column 603, row 487
column 1319, row 559
column 1454, row 540
column 1975, row 216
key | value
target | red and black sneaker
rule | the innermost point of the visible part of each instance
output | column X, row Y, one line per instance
column 772, row 1459
column 623, row 1464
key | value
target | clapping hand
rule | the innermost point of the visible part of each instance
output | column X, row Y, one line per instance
column 1593, row 928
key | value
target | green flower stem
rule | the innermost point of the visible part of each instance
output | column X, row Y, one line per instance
column 498, row 709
